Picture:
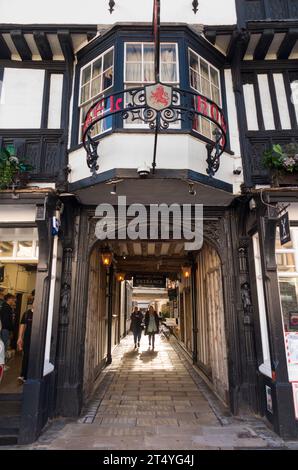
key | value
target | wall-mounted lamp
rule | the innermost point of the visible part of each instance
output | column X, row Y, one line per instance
column 106, row 258
column 186, row 272
column 195, row 5
column 111, row 6
column 120, row 277
column 191, row 189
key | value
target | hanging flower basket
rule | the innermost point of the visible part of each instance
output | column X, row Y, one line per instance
column 283, row 164
column 13, row 171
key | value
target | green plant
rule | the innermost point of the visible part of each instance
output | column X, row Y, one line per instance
column 11, row 167
column 282, row 160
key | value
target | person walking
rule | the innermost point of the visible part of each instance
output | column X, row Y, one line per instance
column 7, row 319
column 151, row 325
column 136, row 326
column 24, row 341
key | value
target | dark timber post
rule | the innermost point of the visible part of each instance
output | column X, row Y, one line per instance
column 194, row 311
column 35, row 394
column 283, row 406
column 110, row 313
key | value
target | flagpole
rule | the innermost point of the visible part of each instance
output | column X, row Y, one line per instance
column 156, row 35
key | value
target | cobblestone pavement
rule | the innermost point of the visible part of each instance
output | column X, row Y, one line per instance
column 155, row 400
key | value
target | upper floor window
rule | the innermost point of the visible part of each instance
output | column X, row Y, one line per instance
column 97, row 78
column 205, row 79
column 139, row 67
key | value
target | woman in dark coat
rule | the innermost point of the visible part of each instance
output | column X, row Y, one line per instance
column 136, row 325
column 151, row 325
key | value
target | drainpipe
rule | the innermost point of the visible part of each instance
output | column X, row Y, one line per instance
column 194, row 312
column 110, row 313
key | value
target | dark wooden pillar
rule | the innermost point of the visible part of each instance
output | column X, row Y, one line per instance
column 36, row 389
column 283, row 405
column 194, row 312
column 110, row 275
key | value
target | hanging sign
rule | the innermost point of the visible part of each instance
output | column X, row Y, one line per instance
column 284, row 229
column 149, row 280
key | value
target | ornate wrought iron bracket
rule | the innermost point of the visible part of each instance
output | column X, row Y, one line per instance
column 214, row 151
column 158, row 106
column 111, row 6
column 92, row 155
column 195, row 5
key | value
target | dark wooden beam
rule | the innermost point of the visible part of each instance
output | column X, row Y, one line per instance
column 43, row 45
column 239, row 41
column 91, row 35
column 5, row 52
column 264, row 44
column 20, row 42
column 287, row 44
column 66, row 44
column 211, row 36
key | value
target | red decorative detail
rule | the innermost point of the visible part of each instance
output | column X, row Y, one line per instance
column 160, row 96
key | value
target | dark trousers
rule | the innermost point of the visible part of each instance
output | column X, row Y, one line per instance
column 25, row 361
column 151, row 338
column 137, row 335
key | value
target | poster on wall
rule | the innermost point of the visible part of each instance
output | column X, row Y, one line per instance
column 295, row 394
column 292, row 347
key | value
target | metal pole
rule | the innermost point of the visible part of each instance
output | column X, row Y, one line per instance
column 194, row 312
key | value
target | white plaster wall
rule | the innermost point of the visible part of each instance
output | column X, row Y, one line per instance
column 293, row 212
column 266, row 102
column 282, row 100
column 55, row 103
column 96, row 11
column 250, row 107
column 21, row 98
column 132, row 151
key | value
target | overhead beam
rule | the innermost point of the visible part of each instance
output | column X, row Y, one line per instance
column 287, row 44
column 21, row 45
column 210, row 35
column 264, row 44
column 66, row 44
column 239, row 40
column 5, row 52
column 43, row 45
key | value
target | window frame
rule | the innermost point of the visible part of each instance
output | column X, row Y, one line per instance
column 101, row 94
column 220, row 87
column 135, row 84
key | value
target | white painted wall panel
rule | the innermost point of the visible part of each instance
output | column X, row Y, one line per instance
column 282, row 100
column 131, row 151
column 96, row 11
column 17, row 213
column 21, row 100
column 232, row 113
column 266, row 102
column 250, row 107
column 294, row 86
column 55, row 103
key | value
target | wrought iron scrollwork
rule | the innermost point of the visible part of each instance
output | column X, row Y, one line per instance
column 92, row 156
column 195, row 5
column 214, row 151
column 159, row 106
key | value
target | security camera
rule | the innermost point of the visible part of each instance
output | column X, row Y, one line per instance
column 238, row 171
column 143, row 171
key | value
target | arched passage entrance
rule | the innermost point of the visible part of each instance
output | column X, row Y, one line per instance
column 200, row 324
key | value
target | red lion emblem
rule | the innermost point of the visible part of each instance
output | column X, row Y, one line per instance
column 160, row 96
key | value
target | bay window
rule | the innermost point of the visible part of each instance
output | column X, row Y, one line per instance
column 139, row 68
column 205, row 79
column 97, row 78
